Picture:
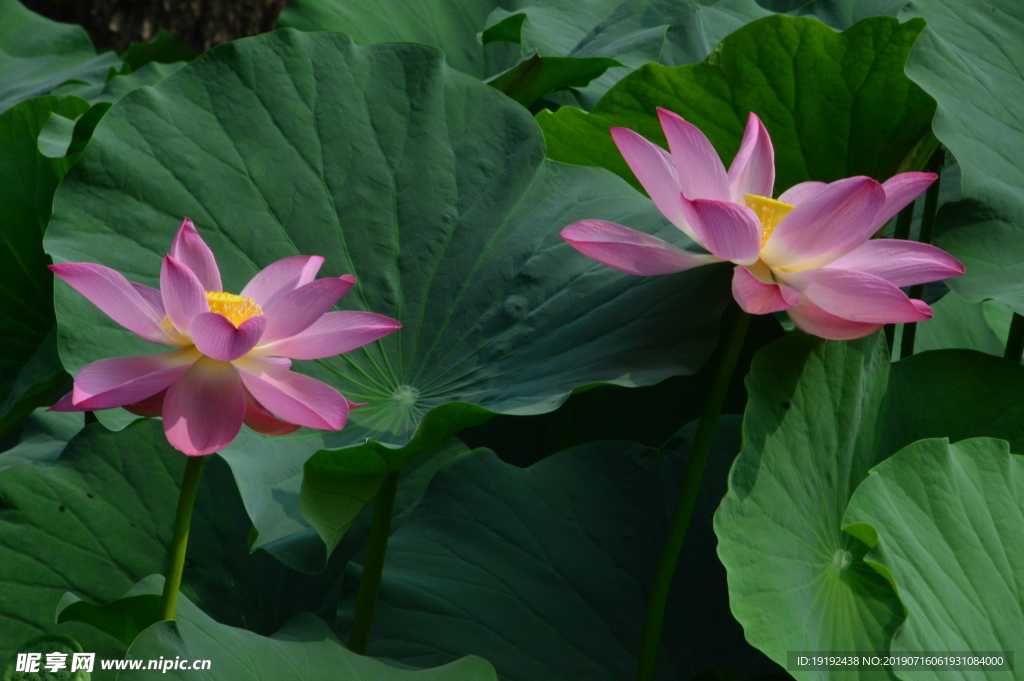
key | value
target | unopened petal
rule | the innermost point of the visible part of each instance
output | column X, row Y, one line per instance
column 108, row 290
column 204, row 409
column 901, row 263
column 215, row 336
column 292, row 396
column 700, row 170
column 730, row 231
column 333, row 334
column 118, row 381
column 654, row 168
column 758, row 297
column 183, row 295
column 630, row 251
column 294, row 312
column 857, row 296
column 753, row 169
column 281, row 277
column 190, row 249
column 811, row 319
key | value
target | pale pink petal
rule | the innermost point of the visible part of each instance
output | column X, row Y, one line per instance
column 758, row 297
column 700, row 170
column 190, row 249
column 204, row 409
column 183, row 295
column 628, row 250
column 902, row 263
column 857, row 296
column 281, row 277
column 655, row 170
column 108, row 290
column 292, row 396
column 215, row 336
column 729, row 230
column 799, row 193
column 294, row 312
column 118, row 381
column 262, row 421
column 753, row 169
column 831, row 222
column 900, row 190
column 811, row 319
column 151, row 296
column 333, row 334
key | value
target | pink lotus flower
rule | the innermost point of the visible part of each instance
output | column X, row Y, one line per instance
column 233, row 352
column 809, row 252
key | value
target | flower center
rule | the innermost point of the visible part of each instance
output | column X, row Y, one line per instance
column 769, row 211
column 236, row 308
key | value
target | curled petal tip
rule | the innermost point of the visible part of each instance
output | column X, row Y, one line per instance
column 922, row 307
column 349, row 279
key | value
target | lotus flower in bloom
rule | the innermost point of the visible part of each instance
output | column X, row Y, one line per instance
column 809, row 252
column 232, row 357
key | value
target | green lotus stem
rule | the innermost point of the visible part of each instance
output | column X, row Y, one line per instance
column 931, row 206
column 179, row 541
column 650, row 640
column 1015, row 342
column 373, row 567
column 903, row 222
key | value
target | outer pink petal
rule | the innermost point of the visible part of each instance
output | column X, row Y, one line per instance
column 811, row 319
column 108, row 290
column 118, row 381
column 189, row 248
column 834, row 220
column 183, row 295
column 204, row 409
column 215, row 336
column 654, row 167
column 753, row 169
column 799, row 193
column 294, row 312
column 628, row 250
column 149, row 407
column 901, row 263
column 857, row 297
column 292, row 396
column 730, row 231
column 758, row 297
column 700, row 170
column 281, row 277
column 65, row 404
column 262, row 421
column 153, row 297
column 900, row 190
column 333, row 334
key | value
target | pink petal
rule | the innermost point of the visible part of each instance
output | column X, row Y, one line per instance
column 215, row 336
column 292, row 396
column 183, row 295
column 758, row 297
column 900, row 190
column 118, row 381
column 204, row 409
column 730, row 231
column 295, row 311
column 700, row 170
column 333, row 334
column 149, row 407
column 901, row 263
column 628, row 250
column 654, row 168
column 153, row 297
column 281, row 277
column 262, row 421
column 837, row 217
column 65, row 404
column 111, row 292
column 811, row 319
column 856, row 296
column 799, row 193
column 753, row 169
column 190, row 249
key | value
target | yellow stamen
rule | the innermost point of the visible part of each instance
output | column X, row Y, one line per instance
column 769, row 211
column 236, row 308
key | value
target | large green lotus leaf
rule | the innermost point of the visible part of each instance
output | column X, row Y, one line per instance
column 820, row 415
column 37, row 55
column 960, row 323
column 839, row 14
column 946, row 522
column 437, row 197
column 835, row 104
column 968, row 59
column 42, row 437
column 99, row 518
column 303, row 648
column 545, row 571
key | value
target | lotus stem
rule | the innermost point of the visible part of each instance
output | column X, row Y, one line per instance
column 179, row 541
column 650, row 640
column 373, row 567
